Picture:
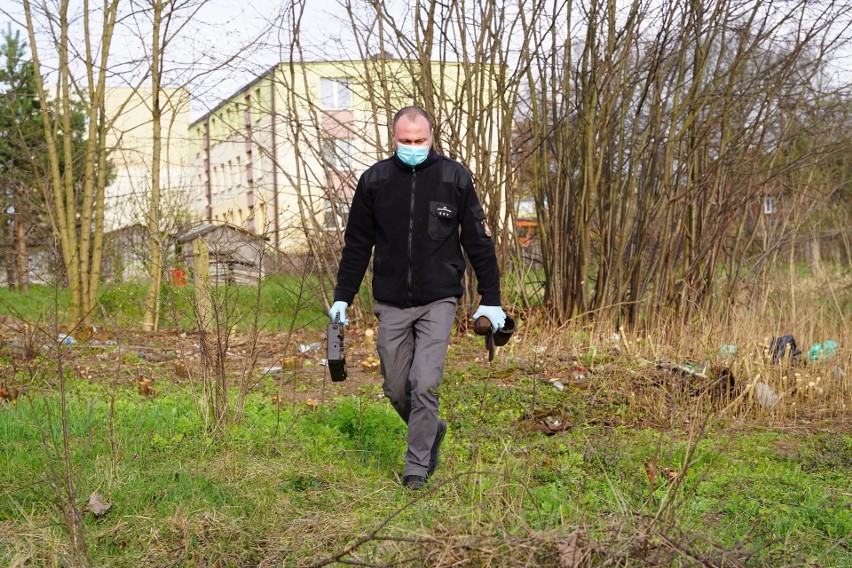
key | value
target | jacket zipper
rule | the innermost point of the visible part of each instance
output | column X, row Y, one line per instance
column 411, row 236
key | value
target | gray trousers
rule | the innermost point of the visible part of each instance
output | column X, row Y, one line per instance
column 412, row 345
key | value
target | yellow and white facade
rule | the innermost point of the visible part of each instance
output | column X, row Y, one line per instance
column 130, row 147
column 281, row 157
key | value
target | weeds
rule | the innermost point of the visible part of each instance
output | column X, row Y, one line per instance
column 251, row 497
column 630, row 463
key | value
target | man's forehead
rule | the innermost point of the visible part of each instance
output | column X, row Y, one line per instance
column 417, row 121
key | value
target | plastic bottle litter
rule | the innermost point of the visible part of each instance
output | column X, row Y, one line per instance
column 66, row 339
column 559, row 386
column 695, row 368
column 304, row 348
column 764, row 395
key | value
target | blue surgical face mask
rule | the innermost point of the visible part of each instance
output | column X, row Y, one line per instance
column 412, row 155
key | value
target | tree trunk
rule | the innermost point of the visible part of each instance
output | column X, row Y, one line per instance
column 8, row 255
column 75, row 198
column 21, row 255
column 816, row 257
column 152, row 301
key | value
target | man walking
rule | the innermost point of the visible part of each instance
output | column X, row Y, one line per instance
column 418, row 209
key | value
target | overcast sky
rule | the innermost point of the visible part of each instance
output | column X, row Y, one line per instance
column 225, row 45
column 228, row 43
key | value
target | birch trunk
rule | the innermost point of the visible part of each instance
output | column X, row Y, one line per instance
column 155, row 270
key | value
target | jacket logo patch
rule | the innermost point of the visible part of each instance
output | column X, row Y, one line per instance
column 444, row 211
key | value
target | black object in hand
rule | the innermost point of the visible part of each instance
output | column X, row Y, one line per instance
column 482, row 326
column 334, row 351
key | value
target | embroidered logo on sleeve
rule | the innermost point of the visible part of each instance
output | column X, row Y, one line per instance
column 486, row 228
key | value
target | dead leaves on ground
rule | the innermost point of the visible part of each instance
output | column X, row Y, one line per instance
column 653, row 472
column 546, row 422
column 96, row 505
column 9, row 394
column 571, row 553
column 279, row 400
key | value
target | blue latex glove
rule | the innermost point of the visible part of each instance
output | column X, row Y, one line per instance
column 339, row 308
column 495, row 315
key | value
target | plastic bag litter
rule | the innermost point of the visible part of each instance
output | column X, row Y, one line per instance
column 822, row 351
column 727, row 350
column 780, row 347
column 764, row 395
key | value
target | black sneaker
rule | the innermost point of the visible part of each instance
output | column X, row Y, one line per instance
column 413, row 482
column 435, row 458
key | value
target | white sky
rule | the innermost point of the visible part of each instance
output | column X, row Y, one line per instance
column 228, row 43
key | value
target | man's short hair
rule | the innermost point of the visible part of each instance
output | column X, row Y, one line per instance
column 411, row 113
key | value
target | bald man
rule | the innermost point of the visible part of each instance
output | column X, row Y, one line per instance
column 417, row 210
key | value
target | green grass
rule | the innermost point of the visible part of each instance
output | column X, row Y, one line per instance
column 39, row 304
column 281, row 301
column 292, row 484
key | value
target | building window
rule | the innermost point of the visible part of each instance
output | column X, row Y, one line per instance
column 770, row 205
column 259, row 173
column 337, row 153
column 335, row 215
column 335, row 94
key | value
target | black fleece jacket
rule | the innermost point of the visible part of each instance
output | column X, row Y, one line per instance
column 412, row 216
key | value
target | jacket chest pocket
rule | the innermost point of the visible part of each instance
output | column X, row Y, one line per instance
column 443, row 220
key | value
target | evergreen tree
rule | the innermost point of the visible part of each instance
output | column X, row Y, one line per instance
column 21, row 145
column 24, row 168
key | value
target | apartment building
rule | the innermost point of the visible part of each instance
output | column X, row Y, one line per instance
column 129, row 141
column 281, row 157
